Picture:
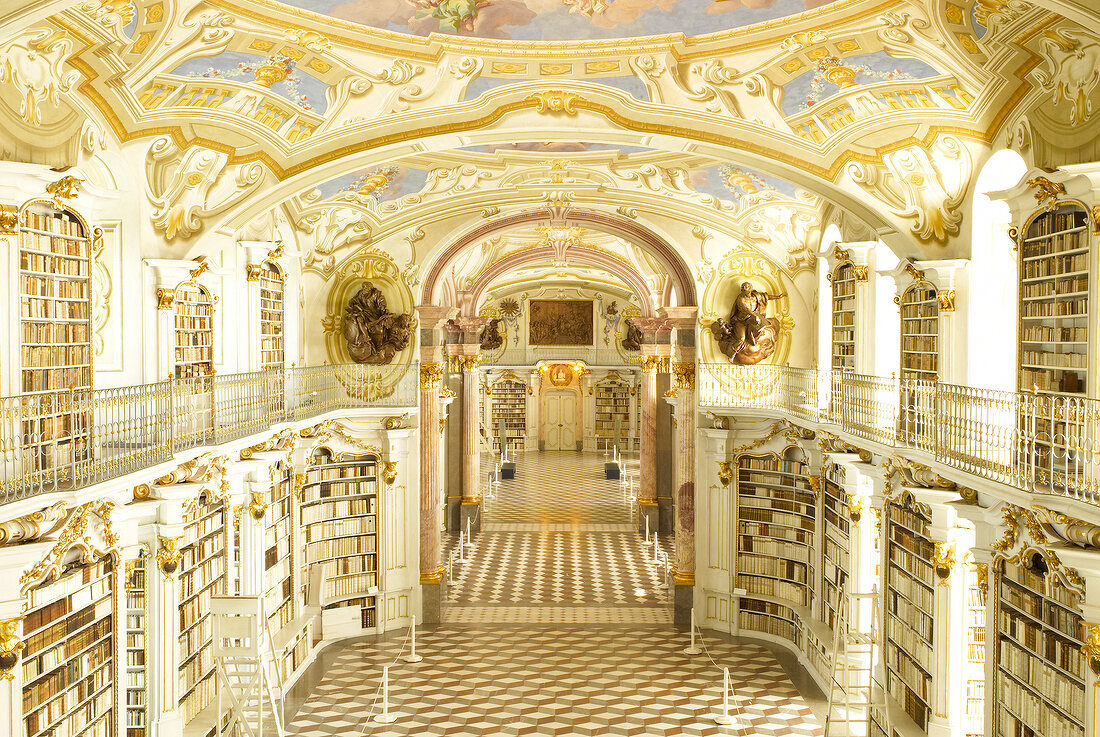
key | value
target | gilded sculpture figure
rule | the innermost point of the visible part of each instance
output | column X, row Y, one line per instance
column 374, row 334
column 749, row 336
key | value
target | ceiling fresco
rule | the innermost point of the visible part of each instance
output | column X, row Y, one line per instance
column 555, row 20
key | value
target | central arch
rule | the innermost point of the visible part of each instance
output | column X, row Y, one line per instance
column 681, row 280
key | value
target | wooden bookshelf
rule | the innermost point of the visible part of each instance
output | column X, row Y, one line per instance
column 136, row 677
column 975, row 654
column 280, row 598
column 612, row 404
column 202, row 574
column 272, row 306
column 844, row 318
column 776, row 513
column 1055, row 307
column 55, row 307
column 194, row 327
column 920, row 327
column 835, row 544
column 910, row 601
column 1040, row 674
column 69, row 657
column 339, row 513
column 509, row 403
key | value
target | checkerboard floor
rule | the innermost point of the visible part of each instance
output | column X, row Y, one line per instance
column 555, row 625
column 477, row 681
column 558, row 534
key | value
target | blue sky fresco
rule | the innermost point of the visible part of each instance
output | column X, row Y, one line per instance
column 556, row 148
column 399, row 181
column 631, row 85
column 304, row 90
column 555, row 20
column 810, row 88
column 732, row 182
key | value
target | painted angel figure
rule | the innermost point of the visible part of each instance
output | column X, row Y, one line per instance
column 748, row 336
column 453, row 15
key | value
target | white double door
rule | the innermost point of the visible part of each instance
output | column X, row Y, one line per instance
column 560, row 420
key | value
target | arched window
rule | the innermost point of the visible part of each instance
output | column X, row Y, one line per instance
column 272, row 312
column 920, row 325
column 844, row 317
column 194, row 315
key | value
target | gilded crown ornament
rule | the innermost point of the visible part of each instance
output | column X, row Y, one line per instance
column 168, row 554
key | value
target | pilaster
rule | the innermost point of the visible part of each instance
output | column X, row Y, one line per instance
column 465, row 355
column 683, row 482
column 432, row 368
column 654, row 360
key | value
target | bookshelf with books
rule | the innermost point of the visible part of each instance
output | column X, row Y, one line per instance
column 68, row 660
column 777, row 515
column 280, row 598
column 194, row 329
column 339, row 517
column 776, row 524
column 974, row 669
column 920, row 328
column 136, row 677
column 272, row 306
column 612, row 408
column 910, row 589
column 203, row 573
column 1056, row 264
column 509, row 403
column 844, row 317
column 55, row 333
column 1041, row 670
column 835, row 544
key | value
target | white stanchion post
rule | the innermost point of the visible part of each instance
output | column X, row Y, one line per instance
column 724, row 717
column 385, row 717
column 461, row 547
column 692, row 649
column 469, row 540
column 412, row 657
column 656, row 549
column 647, row 540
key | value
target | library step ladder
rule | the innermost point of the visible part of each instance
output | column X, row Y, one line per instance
column 858, row 679
column 245, row 669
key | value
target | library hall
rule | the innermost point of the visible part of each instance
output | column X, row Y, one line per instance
column 581, row 368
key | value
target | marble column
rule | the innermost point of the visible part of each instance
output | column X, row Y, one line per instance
column 654, row 359
column 432, row 335
column 465, row 352
column 683, row 483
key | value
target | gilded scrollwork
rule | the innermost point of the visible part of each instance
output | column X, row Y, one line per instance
column 168, row 554
column 87, row 528
column 11, row 645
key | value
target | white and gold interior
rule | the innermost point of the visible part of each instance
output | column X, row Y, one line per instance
column 234, row 170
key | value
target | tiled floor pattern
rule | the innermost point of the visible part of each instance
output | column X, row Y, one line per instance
column 557, row 680
column 555, row 626
column 558, row 534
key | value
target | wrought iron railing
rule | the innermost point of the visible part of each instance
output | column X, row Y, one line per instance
column 1036, row 442
column 65, row 440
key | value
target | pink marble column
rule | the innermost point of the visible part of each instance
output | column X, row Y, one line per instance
column 431, row 321
column 647, row 428
column 471, row 426
column 431, row 486
column 684, row 480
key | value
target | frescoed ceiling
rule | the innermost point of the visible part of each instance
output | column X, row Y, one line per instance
column 556, row 20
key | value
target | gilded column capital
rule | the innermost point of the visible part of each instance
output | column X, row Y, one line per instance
column 389, row 472
column 257, row 505
column 430, row 374
column 253, row 273
column 981, row 570
column 466, row 364
column 685, row 375
column 10, row 645
column 725, row 472
column 655, row 364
